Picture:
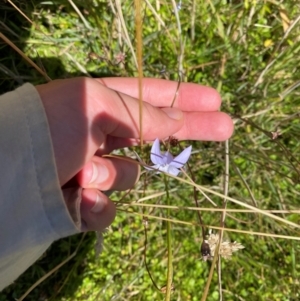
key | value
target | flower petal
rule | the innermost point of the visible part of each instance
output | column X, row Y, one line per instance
column 167, row 157
column 156, row 156
column 182, row 158
column 168, row 169
column 172, row 170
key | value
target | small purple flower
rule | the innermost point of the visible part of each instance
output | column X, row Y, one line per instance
column 165, row 162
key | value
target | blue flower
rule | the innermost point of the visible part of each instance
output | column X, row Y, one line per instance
column 165, row 162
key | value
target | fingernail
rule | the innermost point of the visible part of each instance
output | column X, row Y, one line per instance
column 99, row 204
column 173, row 113
column 100, row 174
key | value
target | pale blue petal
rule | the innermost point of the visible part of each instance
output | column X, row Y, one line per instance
column 182, row 158
column 164, row 162
column 167, row 158
column 146, row 167
column 156, row 156
column 162, row 168
column 169, row 170
column 173, row 171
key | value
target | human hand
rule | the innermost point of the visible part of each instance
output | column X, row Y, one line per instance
column 91, row 117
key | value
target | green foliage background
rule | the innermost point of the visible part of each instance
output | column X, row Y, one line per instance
column 249, row 51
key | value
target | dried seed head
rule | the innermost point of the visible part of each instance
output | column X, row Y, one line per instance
column 173, row 141
column 226, row 247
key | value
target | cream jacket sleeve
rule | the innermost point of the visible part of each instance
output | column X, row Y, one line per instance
column 33, row 213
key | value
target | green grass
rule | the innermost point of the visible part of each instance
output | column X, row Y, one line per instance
column 249, row 51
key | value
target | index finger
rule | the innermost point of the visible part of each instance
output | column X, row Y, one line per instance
column 160, row 93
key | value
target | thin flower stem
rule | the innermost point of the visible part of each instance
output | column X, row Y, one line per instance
column 145, row 258
column 83, row 19
column 221, row 232
column 206, row 289
column 223, row 216
column 139, row 47
column 127, row 38
column 237, row 170
column 193, row 20
column 169, row 245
